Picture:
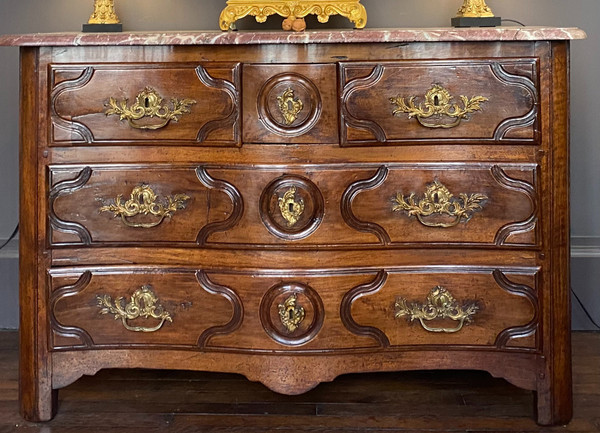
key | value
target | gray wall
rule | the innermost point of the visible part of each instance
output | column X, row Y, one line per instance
column 25, row 16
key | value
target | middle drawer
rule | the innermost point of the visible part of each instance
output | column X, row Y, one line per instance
column 316, row 206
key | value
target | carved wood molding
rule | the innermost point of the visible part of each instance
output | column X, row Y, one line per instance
column 236, row 199
column 346, row 310
column 350, row 194
column 236, row 303
column 68, row 124
column 530, row 87
column 530, row 192
column 233, row 116
column 348, row 120
column 65, row 330
column 519, row 290
column 62, row 188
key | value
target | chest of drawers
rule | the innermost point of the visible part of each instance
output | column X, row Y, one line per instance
column 296, row 209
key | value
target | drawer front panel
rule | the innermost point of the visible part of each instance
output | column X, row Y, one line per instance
column 290, row 104
column 396, row 204
column 491, row 101
column 113, row 308
column 473, row 307
column 136, row 204
column 294, row 311
column 165, row 103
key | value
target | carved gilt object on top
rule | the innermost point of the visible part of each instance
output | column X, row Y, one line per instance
column 292, row 10
column 104, row 13
column 474, row 8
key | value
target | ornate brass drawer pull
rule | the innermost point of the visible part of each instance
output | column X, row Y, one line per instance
column 143, row 202
column 149, row 104
column 143, row 303
column 437, row 200
column 440, row 305
column 291, row 209
column 289, row 106
column 438, row 103
column 291, row 315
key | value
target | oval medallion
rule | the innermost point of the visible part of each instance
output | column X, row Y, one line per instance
column 292, row 313
column 289, row 104
column 291, row 207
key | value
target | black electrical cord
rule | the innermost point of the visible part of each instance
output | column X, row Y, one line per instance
column 587, row 313
column 512, row 21
column 11, row 237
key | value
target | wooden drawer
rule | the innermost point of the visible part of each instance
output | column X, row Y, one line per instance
column 290, row 104
column 473, row 307
column 386, row 205
column 166, row 103
column 259, row 311
column 449, row 101
column 136, row 204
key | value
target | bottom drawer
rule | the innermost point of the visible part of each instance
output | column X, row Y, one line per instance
column 297, row 311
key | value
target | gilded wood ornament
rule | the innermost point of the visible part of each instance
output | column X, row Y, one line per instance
column 104, row 13
column 440, row 304
column 143, row 303
column 438, row 103
column 143, row 201
column 292, row 9
column 149, row 104
column 438, row 200
column 474, row 9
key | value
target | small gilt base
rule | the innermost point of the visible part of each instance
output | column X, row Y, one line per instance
column 237, row 9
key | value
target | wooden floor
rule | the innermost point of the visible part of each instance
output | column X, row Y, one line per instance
column 160, row 401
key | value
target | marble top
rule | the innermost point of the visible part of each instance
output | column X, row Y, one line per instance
column 213, row 37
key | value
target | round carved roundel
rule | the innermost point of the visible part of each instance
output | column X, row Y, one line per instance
column 289, row 104
column 292, row 313
column 291, row 207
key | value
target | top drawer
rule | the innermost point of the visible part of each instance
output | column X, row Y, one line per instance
column 145, row 104
column 451, row 101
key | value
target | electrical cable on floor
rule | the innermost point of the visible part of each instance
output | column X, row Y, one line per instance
column 512, row 21
column 11, row 237
column 587, row 313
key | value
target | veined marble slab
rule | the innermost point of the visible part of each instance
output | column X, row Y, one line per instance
column 213, row 37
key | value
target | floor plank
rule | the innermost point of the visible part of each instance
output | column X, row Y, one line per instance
column 178, row 401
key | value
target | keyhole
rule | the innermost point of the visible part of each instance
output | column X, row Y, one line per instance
column 291, row 207
column 436, row 100
column 147, row 102
column 291, row 314
column 436, row 198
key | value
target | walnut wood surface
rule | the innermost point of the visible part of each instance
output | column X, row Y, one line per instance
column 225, row 263
column 173, row 401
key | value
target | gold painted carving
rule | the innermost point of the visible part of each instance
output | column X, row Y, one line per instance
column 291, row 209
column 143, row 201
column 143, row 303
column 438, row 103
column 149, row 104
column 292, row 9
column 291, row 315
column 440, row 305
column 104, row 13
column 475, row 9
column 438, row 200
column 289, row 106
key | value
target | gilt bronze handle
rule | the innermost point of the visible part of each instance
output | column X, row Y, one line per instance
column 440, row 305
column 438, row 200
column 143, row 303
column 438, row 105
column 143, row 201
column 148, row 104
